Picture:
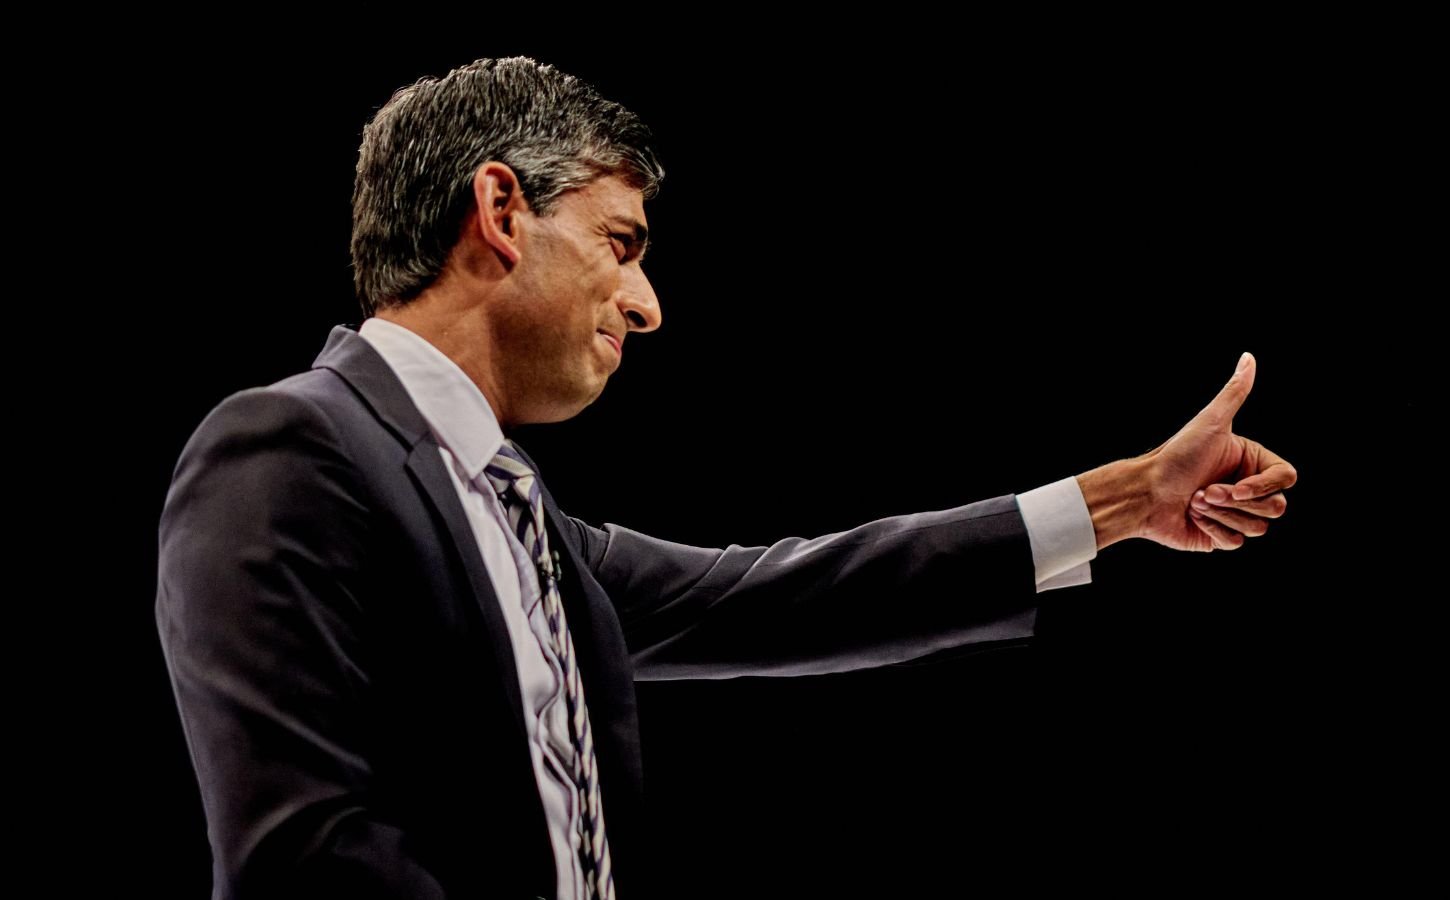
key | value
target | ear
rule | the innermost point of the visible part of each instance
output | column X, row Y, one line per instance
column 500, row 202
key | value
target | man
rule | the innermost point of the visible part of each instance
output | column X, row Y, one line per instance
column 402, row 670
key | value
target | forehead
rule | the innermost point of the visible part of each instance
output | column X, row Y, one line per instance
column 608, row 197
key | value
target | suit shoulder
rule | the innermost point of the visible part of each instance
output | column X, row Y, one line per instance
column 305, row 400
column 301, row 410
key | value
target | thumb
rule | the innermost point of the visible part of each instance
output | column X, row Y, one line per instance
column 1232, row 396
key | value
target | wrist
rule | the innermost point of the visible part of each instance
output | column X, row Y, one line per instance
column 1118, row 497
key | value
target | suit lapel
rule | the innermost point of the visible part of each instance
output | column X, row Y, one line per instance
column 363, row 368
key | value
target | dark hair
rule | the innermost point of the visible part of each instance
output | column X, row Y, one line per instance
column 421, row 150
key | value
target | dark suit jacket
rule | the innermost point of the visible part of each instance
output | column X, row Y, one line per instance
column 344, row 674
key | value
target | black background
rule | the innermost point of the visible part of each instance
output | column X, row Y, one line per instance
column 993, row 264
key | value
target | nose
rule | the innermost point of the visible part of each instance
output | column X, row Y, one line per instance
column 637, row 301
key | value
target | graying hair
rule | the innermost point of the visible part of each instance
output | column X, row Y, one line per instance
column 421, row 150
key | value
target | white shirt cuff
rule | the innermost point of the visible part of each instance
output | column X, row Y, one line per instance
column 1061, row 533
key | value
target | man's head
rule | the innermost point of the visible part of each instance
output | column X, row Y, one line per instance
column 420, row 152
column 501, row 196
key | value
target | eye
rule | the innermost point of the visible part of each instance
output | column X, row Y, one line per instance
column 625, row 240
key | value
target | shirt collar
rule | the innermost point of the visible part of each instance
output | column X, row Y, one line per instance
column 449, row 401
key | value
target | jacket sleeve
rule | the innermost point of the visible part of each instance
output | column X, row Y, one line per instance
column 888, row 591
column 257, row 607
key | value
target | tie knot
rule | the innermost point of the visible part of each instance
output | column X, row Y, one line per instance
column 508, row 471
column 518, row 489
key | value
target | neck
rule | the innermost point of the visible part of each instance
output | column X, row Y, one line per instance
column 460, row 332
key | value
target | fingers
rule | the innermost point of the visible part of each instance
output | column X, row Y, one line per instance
column 1223, row 538
column 1275, row 478
column 1274, row 474
column 1245, row 523
column 1270, row 507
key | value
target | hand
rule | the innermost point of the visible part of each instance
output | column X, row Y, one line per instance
column 1213, row 511
column 1245, row 480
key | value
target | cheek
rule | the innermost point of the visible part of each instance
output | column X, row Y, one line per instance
column 529, row 335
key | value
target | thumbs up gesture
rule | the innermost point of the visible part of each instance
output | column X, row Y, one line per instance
column 1211, row 488
column 1205, row 488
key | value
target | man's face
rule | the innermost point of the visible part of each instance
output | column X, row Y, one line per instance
column 581, row 290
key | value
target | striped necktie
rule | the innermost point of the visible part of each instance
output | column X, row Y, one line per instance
column 518, row 487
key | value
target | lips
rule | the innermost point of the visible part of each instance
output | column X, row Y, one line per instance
column 613, row 342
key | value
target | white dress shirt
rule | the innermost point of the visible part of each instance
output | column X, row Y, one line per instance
column 468, row 434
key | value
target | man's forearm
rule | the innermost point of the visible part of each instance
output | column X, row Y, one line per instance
column 1118, row 497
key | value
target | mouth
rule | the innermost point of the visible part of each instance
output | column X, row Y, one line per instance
column 614, row 343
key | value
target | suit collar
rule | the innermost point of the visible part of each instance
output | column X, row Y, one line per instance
column 360, row 365
column 456, row 410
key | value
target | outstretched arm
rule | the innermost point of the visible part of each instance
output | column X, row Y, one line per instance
column 906, row 586
column 257, row 608
column 888, row 591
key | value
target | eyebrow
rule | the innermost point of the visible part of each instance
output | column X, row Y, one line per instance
column 641, row 233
